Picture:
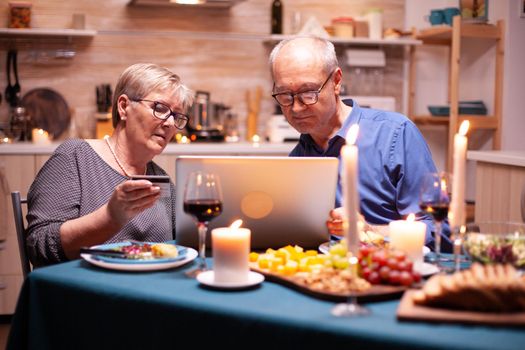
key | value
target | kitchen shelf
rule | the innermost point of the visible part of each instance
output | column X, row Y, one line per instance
column 211, row 4
column 476, row 121
column 46, row 32
column 452, row 37
column 275, row 38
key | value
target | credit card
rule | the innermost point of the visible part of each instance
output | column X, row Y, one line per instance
column 161, row 181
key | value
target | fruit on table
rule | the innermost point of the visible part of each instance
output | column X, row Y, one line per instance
column 386, row 266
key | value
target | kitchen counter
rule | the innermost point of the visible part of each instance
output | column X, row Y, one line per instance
column 219, row 148
column 516, row 158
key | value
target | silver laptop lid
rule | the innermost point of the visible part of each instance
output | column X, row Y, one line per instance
column 282, row 200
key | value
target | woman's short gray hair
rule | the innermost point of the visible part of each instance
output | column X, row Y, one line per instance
column 322, row 47
column 140, row 79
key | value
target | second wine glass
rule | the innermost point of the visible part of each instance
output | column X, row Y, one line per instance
column 202, row 200
column 434, row 199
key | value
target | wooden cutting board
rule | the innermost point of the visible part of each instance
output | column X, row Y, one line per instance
column 375, row 293
column 48, row 111
column 408, row 311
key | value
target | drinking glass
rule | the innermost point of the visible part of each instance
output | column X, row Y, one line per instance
column 434, row 198
column 351, row 308
column 203, row 201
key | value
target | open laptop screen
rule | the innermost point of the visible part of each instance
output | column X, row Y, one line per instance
column 282, row 200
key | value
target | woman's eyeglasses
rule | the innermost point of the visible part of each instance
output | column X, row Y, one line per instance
column 163, row 112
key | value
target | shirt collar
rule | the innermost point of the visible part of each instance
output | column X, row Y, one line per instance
column 353, row 118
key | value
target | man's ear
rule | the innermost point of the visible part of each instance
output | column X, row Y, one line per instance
column 338, row 80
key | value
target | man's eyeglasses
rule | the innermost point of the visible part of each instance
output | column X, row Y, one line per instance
column 286, row 99
column 163, row 112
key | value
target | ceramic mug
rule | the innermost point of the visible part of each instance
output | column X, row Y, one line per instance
column 436, row 17
column 449, row 13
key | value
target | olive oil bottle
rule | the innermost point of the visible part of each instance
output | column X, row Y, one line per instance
column 277, row 17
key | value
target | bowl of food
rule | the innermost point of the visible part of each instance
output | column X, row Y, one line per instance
column 496, row 242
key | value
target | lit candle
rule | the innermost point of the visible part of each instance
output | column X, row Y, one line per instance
column 255, row 140
column 231, row 248
column 40, row 137
column 350, row 157
column 409, row 236
column 456, row 214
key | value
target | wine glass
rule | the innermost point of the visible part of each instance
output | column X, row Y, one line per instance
column 434, row 199
column 203, row 201
column 351, row 308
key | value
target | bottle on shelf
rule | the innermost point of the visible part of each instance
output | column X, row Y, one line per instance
column 277, row 17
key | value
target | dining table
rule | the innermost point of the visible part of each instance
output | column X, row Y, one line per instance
column 76, row 305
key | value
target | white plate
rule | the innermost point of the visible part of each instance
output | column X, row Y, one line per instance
column 208, row 279
column 426, row 269
column 325, row 248
column 190, row 255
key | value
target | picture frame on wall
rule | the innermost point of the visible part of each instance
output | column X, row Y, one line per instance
column 475, row 11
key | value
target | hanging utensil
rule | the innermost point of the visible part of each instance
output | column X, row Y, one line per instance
column 16, row 87
column 9, row 88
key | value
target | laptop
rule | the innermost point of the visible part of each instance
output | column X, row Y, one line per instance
column 282, row 200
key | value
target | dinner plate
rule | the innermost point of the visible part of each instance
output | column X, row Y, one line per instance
column 188, row 254
column 208, row 279
column 325, row 248
column 426, row 269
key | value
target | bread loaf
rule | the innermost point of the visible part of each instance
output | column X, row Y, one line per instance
column 487, row 288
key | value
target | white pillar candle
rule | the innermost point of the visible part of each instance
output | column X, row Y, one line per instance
column 40, row 137
column 457, row 208
column 408, row 236
column 350, row 158
column 231, row 248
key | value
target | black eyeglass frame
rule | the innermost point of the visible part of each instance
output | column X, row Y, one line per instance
column 299, row 94
column 181, row 120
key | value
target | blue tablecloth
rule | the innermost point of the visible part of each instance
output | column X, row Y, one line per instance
column 79, row 306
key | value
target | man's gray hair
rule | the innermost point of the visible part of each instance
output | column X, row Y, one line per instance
column 322, row 47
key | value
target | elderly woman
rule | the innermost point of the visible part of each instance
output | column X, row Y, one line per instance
column 83, row 195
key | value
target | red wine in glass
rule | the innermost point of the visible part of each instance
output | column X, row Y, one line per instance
column 439, row 211
column 202, row 200
column 203, row 209
column 434, row 198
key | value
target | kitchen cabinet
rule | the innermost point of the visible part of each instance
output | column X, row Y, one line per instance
column 500, row 180
column 453, row 37
column 16, row 174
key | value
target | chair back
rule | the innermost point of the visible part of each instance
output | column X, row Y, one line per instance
column 21, row 231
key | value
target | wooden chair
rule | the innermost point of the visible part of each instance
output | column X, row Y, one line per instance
column 21, row 231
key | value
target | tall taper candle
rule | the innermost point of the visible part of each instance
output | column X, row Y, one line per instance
column 350, row 157
column 456, row 214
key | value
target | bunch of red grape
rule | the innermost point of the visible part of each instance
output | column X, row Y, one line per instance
column 385, row 266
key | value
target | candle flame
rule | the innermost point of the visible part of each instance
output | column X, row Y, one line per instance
column 443, row 185
column 353, row 260
column 236, row 224
column 463, row 129
column 41, row 131
column 463, row 229
column 351, row 135
column 256, row 138
column 411, row 217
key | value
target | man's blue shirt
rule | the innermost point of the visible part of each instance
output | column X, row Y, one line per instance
column 393, row 157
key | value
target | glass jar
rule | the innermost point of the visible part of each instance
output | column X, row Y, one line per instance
column 19, row 15
column 343, row 27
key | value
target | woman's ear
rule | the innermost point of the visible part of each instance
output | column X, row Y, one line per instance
column 122, row 104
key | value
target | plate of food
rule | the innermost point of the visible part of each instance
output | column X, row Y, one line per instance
column 138, row 256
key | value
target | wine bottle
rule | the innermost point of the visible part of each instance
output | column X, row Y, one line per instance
column 277, row 17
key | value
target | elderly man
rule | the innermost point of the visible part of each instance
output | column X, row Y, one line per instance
column 393, row 156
